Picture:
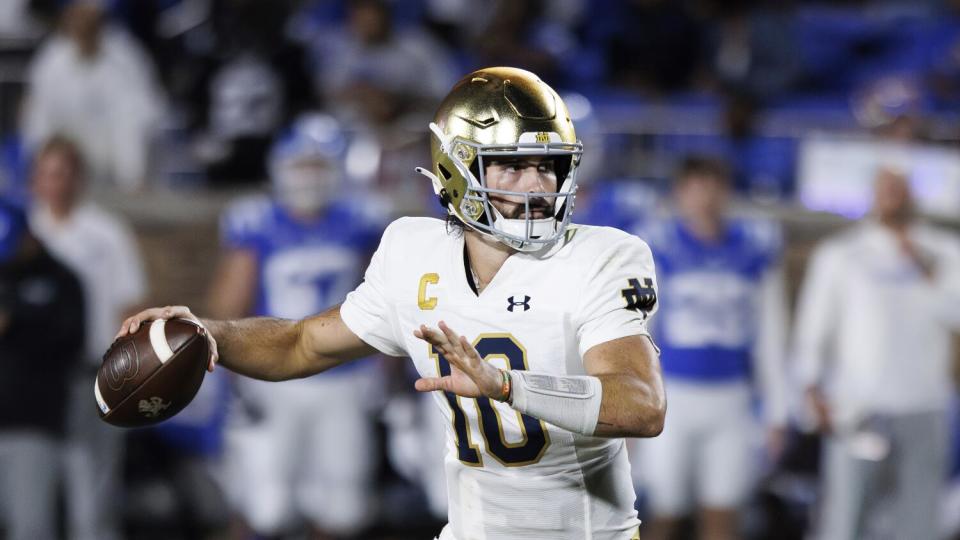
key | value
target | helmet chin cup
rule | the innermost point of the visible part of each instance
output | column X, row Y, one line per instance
column 510, row 231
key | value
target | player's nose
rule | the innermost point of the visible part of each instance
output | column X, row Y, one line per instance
column 532, row 180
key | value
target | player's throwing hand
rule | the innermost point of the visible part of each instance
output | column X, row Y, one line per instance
column 132, row 323
column 469, row 375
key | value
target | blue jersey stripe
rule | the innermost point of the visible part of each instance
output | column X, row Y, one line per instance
column 708, row 364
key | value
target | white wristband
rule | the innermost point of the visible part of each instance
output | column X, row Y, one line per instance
column 571, row 403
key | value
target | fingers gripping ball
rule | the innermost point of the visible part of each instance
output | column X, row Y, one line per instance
column 150, row 375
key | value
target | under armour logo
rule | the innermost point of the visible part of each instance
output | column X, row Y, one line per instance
column 511, row 303
column 640, row 297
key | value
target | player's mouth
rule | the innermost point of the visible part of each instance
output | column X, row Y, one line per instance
column 539, row 209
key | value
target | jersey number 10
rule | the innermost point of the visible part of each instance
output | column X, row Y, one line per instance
column 535, row 438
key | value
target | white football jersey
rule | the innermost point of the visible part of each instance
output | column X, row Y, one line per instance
column 510, row 476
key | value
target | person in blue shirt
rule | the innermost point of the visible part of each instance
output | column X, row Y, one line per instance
column 303, row 452
column 721, row 332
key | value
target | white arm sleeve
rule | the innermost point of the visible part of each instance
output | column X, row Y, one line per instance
column 619, row 295
column 818, row 305
column 570, row 403
column 369, row 310
column 947, row 282
column 770, row 346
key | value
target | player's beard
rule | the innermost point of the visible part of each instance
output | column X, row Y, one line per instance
column 540, row 208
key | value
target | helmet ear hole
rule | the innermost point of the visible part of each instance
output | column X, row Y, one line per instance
column 447, row 175
column 475, row 169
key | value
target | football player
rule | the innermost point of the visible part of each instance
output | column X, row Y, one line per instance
column 301, row 449
column 722, row 326
column 531, row 332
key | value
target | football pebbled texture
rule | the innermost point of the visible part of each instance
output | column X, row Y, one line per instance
column 150, row 375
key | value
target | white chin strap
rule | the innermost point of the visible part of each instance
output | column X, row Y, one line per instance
column 539, row 228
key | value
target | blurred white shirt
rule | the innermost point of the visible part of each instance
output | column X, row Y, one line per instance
column 872, row 330
column 16, row 21
column 109, row 105
column 411, row 63
column 100, row 249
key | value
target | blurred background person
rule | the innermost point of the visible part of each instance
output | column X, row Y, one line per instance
column 304, row 451
column 100, row 248
column 17, row 22
column 372, row 73
column 890, row 107
column 248, row 81
column 41, row 339
column 873, row 347
column 524, row 35
column 722, row 333
column 753, row 50
column 94, row 83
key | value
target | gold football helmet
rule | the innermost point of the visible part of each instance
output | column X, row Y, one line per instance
column 503, row 112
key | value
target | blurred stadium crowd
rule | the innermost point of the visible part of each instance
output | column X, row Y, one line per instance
column 242, row 156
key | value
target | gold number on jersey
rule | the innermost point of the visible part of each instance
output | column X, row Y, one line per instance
column 535, row 438
column 423, row 302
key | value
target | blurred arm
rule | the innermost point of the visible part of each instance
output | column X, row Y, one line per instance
column 234, row 282
column 816, row 316
column 946, row 278
column 818, row 306
column 634, row 403
column 771, row 345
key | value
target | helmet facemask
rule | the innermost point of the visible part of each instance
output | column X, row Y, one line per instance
column 477, row 210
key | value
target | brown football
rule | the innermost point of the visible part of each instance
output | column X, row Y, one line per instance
column 150, row 375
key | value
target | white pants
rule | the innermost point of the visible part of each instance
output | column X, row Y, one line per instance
column 900, row 493
column 29, row 468
column 702, row 458
column 311, row 454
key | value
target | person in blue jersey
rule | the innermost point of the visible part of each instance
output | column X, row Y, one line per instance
column 721, row 334
column 301, row 452
column 622, row 203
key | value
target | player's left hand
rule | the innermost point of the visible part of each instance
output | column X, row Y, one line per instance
column 470, row 375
